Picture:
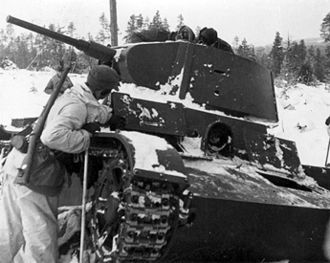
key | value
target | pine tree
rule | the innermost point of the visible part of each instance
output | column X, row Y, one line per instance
column 277, row 55
column 139, row 22
column 262, row 58
column 285, row 67
column 236, row 43
column 325, row 28
column 131, row 28
column 180, row 22
column 318, row 66
column 296, row 56
column 327, row 62
column 243, row 49
column 292, row 53
column 22, row 52
column 286, row 73
column 306, row 73
column 10, row 31
column 50, row 50
column 290, row 67
column 311, row 52
column 104, row 35
column 246, row 50
column 305, row 69
column 165, row 24
column 2, row 44
column 37, row 51
column 156, row 22
column 139, row 29
column 71, row 29
column 70, row 56
column 3, row 37
column 302, row 52
column 136, row 23
column 197, row 30
column 146, row 23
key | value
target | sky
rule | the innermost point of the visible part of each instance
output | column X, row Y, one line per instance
column 255, row 20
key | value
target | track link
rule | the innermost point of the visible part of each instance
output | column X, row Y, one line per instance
column 133, row 217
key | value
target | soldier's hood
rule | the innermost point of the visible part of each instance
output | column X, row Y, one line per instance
column 96, row 111
column 83, row 93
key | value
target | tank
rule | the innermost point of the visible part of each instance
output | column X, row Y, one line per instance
column 196, row 174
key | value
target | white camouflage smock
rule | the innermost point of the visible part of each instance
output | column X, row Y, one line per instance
column 28, row 220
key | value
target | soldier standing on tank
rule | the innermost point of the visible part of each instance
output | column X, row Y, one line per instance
column 52, row 83
column 185, row 33
column 29, row 219
column 209, row 37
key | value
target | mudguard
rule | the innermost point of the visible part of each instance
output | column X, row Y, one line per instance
column 149, row 156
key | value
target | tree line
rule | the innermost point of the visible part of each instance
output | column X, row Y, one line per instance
column 36, row 51
column 289, row 60
column 295, row 62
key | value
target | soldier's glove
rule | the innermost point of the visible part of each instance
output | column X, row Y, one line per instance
column 117, row 122
column 91, row 127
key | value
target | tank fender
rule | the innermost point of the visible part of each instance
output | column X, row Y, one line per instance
column 149, row 156
column 266, row 149
column 154, row 157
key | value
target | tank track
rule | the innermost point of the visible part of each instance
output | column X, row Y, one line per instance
column 133, row 218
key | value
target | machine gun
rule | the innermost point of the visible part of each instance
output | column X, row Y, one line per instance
column 91, row 48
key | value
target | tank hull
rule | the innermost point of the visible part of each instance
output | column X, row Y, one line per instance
column 241, row 214
column 238, row 215
column 237, row 230
column 226, row 230
column 320, row 174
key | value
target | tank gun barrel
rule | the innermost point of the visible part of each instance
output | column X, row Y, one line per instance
column 90, row 48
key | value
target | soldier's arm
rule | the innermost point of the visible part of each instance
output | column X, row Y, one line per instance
column 64, row 132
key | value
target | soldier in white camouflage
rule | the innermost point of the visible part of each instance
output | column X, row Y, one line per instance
column 28, row 221
column 52, row 83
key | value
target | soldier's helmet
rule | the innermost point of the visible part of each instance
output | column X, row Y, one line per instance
column 185, row 33
column 102, row 77
column 207, row 36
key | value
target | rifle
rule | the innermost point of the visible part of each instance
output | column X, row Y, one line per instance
column 91, row 48
column 326, row 158
column 24, row 173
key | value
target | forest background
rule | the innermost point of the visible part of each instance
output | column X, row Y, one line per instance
column 306, row 61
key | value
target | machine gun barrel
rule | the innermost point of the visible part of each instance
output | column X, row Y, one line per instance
column 90, row 48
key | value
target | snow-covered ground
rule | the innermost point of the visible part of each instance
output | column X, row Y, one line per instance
column 302, row 113
column 21, row 92
column 302, row 109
